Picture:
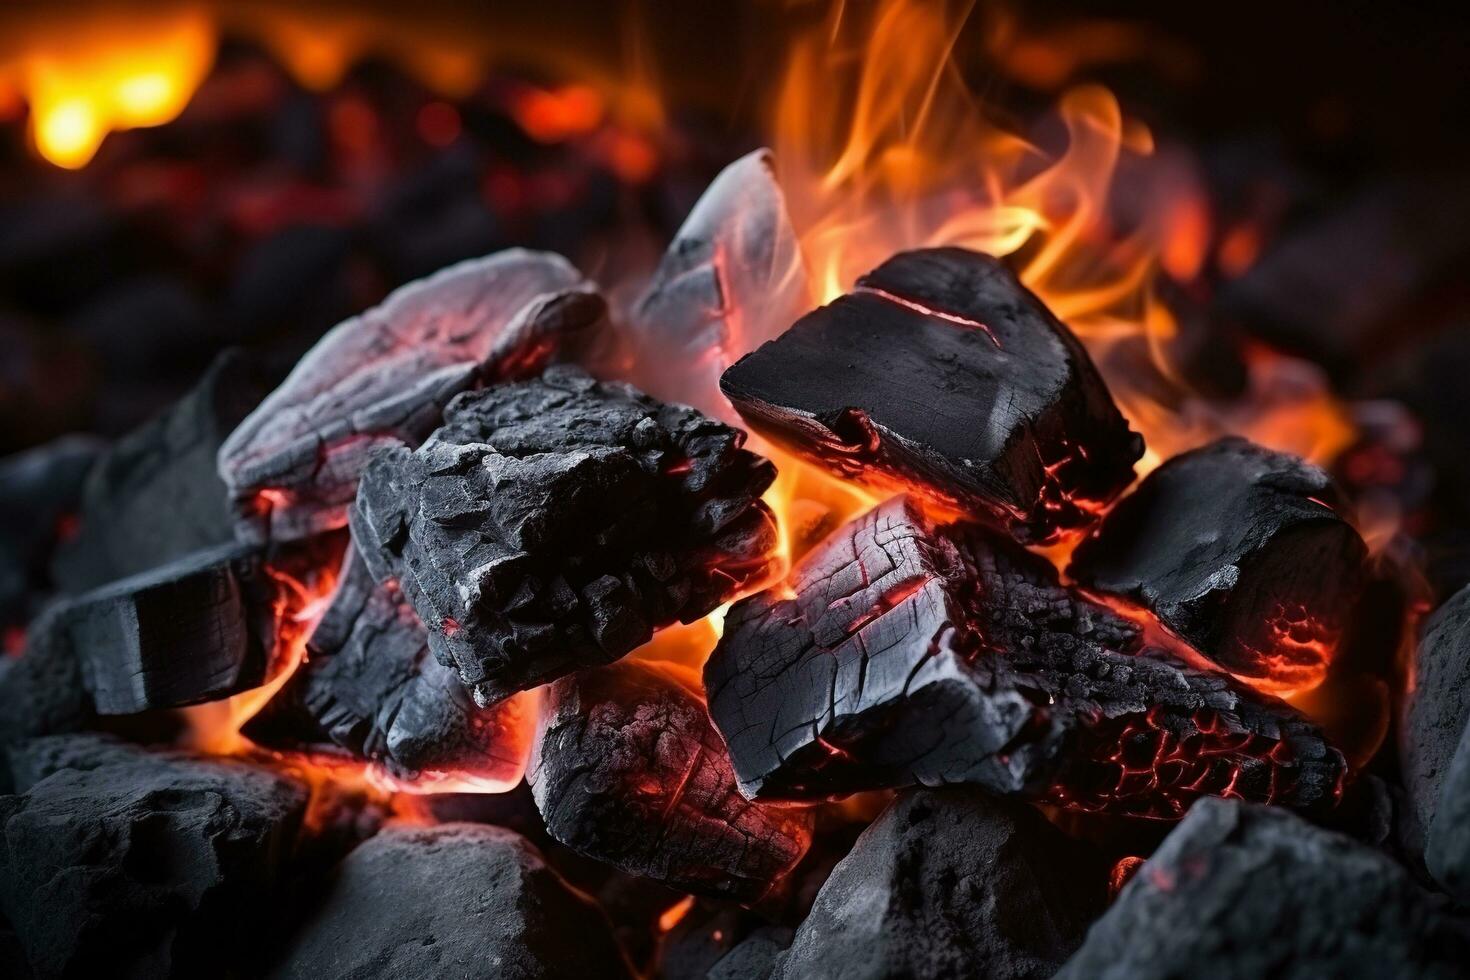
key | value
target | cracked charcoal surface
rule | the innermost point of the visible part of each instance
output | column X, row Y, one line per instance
column 384, row 377
column 731, row 279
column 456, row 900
column 155, row 495
column 117, row 861
column 1238, row 550
column 370, row 688
column 198, row 629
column 1437, row 712
column 948, row 884
column 627, row 769
column 989, row 406
column 1240, row 891
column 40, row 490
column 554, row 524
column 914, row 655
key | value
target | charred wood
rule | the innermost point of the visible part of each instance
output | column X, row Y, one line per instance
column 915, row 654
column 943, row 375
column 627, row 769
column 384, row 377
column 554, row 524
column 1238, row 550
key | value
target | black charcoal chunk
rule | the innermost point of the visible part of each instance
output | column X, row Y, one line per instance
column 754, row 958
column 198, row 629
column 156, row 495
column 1241, row 891
column 42, row 691
column 1435, row 712
column 555, row 524
column 117, row 861
column 456, row 900
column 627, row 769
column 732, row 279
column 911, row 653
column 943, row 375
column 370, row 688
column 951, row 884
column 384, row 377
column 1447, row 847
column 1240, row 551
column 40, row 490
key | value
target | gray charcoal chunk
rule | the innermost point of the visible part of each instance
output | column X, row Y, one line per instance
column 1242, row 891
column 117, row 861
column 1447, row 848
column 1435, row 711
column 554, row 524
column 384, row 377
column 457, row 900
column 42, row 692
column 40, row 491
column 948, row 884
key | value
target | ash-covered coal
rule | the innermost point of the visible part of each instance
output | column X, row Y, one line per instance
column 944, row 376
column 42, row 691
column 915, row 654
column 456, row 900
column 948, row 884
column 370, row 688
column 118, row 861
column 1241, row 891
column 1435, row 716
column 627, row 769
column 1240, row 551
column 384, row 377
column 554, row 524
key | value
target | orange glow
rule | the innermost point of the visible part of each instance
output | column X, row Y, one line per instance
column 1123, row 873
column 553, row 115
column 675, row 913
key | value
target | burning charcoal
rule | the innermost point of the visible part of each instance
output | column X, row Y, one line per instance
column 554, row 524
column 910, row 654
column 457, row 900
column 198, row 629
column 382, row 379
column 731, row 280
column 1436, row 711
column 627, row 769
column 1238, row 550
column 942, row 374
column 950, row 883
column 369, row 687
column 125, row 862
column 39, row 492
column 1447, row 850
column 1252, row 891
column 155, row 496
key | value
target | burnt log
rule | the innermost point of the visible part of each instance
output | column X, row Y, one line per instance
column 198, row 629
column 911, row 653
column 155, row 495
column 1243, row 891
column 554, row 524
column 117, row 861
column 1435, row 714
column 457, row 900
column 944, row 376
column 732, row 279
column 895, row 905
column 40, row 491
column 627, row 769
column 369, row 688
column 1240, row 551
column 383, row 378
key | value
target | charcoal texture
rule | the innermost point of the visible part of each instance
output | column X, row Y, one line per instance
column 42, row 692
column 1436, row 712
column 1447, row 846
column 115, row 861
column 948, row 884
column 1238, row 550
column 915, row 654
column 40, row 491
column 456, row 900
column 554, row 524
column 732, row 279
column 383, row 379
column 1241, row 891
column 627, row 769
column 943, row 375
column 370, row 688
column 198, row 629
column 156, row 495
